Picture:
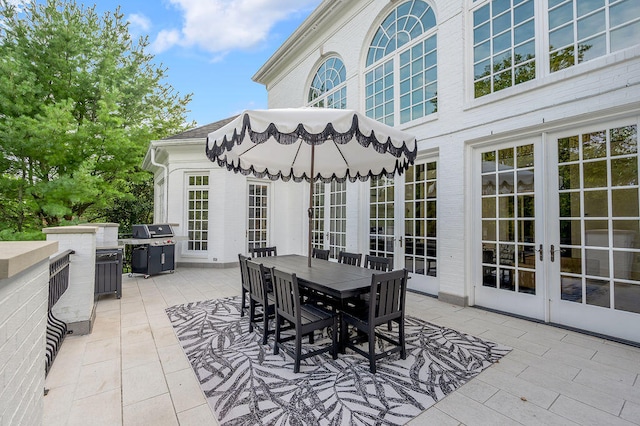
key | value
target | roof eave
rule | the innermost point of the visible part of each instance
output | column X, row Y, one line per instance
column 262, row 76
column 165, row 143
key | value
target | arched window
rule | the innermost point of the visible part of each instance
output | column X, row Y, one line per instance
column 328, row 88
column 402, row 65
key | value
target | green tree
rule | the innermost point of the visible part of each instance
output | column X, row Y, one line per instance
column 79, row 102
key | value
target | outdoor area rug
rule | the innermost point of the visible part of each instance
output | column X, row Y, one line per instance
column 245, row 384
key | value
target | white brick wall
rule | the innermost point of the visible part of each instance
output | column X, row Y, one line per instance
column 23, row 313
column 607, row 86
column 603, row 88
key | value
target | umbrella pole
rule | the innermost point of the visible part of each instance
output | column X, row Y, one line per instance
column 310, row 212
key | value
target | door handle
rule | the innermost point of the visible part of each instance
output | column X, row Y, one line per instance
column 400, row 242
column 541, row 252
column 553, row 252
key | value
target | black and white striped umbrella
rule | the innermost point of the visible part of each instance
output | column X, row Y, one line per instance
column 312, row 144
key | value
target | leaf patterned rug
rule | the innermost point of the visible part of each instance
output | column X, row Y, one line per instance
column 246, row 384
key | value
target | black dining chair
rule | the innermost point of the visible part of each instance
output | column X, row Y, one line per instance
column 244, row 280
column 378, row 263
column 350, row 258
column 263, row 251
column 259, row 295
column 320, row 254
column 386, row 303
column 305, row 319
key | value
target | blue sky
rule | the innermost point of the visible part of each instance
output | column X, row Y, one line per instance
column 212, row 48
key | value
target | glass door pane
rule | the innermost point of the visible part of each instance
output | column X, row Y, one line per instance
column 381, row 217
column 258, row 215
column 317, row 233
column 337, row 218
column 508, row 219
column 420, row 219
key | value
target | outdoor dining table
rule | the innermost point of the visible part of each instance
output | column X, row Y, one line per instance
column 336, row 280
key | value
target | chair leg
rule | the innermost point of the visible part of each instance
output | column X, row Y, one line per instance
column 343, row 336
column 390, row 325
column 372, row 350
column 252, row 314
column 276, row 348
column 265, row 325
column 334, row 339
column 244, row 302
column 298, row 352
column 403, row 347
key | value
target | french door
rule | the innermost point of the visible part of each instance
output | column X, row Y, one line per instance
column 509, row 228
column 562, row 246
column 406, row 230
column 596, row 239
column 258, row 215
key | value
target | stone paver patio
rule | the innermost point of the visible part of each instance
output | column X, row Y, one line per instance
column 131, row 370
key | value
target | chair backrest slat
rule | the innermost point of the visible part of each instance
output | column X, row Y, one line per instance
column 378, row 263
column 257, row 280
column 387, row 299
column 285, row 286
column 263, row 251
column 354, row 259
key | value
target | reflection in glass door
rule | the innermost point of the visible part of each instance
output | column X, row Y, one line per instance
column 599, row 232
column 258, row 215
column 508, row 219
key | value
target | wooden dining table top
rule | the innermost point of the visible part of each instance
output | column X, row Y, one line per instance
column 334, row 279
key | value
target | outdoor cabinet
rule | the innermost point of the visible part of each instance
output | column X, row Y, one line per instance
column 152, row 259
column 108, row 277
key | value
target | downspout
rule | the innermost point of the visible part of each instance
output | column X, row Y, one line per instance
column 165, row 169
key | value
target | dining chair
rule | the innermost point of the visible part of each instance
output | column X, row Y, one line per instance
column 350, row 258
column 320, row 254
column 386, row 303
column 244, row 280
column 263, row 251
column 378, row 263
column 259, row 295
column 305, row 319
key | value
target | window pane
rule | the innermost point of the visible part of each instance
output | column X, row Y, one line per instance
column 624, row 37
column 511, row 22
column 561, row 15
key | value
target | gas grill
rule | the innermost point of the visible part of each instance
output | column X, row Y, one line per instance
column 155, row 252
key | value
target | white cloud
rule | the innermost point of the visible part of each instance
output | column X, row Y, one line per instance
column 165, row 40
column 218, row 26
column 139, row 22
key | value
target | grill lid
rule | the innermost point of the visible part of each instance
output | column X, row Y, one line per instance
column 156, row 230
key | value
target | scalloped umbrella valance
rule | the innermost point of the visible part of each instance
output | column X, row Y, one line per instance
column 301, row 143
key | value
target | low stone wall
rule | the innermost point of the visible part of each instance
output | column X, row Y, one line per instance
column 24, row 290
column 76, row 307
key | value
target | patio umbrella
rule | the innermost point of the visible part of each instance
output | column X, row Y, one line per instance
column 312, row 144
